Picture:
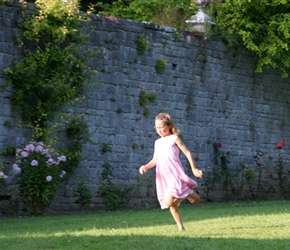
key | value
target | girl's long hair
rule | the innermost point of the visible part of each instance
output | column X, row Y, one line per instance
column 167, row 120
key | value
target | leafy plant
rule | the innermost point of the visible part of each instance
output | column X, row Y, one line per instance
column 250, row 174
column 9, row 150
column 146, row 112
column 83, row 195
column 114, row 196
column 169, row 13
column 160, row 65
column 106, row 147
column 77, row 133
column 262, row 27
column 223, row 172
column 142, row 44
column 7, row 124
column 119, row 111
column 39, row 173
column 52, row 71
column 144, row 97
column 251, row 126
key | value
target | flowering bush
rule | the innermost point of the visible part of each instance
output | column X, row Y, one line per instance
column 39, row 172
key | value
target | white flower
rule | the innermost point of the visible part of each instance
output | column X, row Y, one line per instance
column 34, row 163
column 45, row 152
column 30, row 148
column 38, row 148
column 62, row 174
column 2, row 175
column 16, row 169
column 24, row 154
column 61, row 158
column 50, row 161
column 48, row 178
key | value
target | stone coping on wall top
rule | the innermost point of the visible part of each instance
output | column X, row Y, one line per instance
column 147, row 25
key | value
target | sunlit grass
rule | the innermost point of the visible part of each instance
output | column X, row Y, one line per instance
column 246, row 225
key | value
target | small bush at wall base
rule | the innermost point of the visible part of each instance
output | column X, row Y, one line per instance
column 83, row 195
column 114, row 196
column 230, row 182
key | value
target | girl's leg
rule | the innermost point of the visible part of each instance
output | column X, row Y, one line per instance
column 173, row 204
column 172, row 201
column 194, row 197
column 176, row 216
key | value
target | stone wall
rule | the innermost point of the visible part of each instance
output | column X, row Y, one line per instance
column 213, row 96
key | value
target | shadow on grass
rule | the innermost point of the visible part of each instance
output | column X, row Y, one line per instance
column 132, row 229
column 136, row 242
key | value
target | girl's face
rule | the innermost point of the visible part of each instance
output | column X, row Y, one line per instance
column 161, row 128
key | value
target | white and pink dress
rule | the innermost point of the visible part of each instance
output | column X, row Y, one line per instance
column 170, row 175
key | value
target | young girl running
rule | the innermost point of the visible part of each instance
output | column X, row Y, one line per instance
column 172, row 184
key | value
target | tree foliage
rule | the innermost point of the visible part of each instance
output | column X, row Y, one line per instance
column 261, row 26
column 171, row 13
column 53, row 70
column 264, row 29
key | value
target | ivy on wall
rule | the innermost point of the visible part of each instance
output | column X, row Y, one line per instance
column 52, row 72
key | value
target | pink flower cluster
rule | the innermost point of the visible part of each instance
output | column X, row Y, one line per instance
column 38, row 147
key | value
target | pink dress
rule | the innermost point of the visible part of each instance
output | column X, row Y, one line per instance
column 170, row 176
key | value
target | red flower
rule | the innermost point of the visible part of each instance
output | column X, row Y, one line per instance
column 280, row 144
column 271, row 175
column 218, row 145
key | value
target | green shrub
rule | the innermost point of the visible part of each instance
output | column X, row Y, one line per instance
column 83, row 195
column 114, row 196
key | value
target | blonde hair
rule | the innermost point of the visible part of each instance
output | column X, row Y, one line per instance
column 167, row 120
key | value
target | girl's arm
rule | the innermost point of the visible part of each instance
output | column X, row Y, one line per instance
column 143, row 169
column 184, row 149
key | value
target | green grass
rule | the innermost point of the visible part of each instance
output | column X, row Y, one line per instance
column 244, row 225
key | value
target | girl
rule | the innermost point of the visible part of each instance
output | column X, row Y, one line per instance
column 172, row 184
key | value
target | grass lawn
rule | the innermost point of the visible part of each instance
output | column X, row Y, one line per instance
column 243, row 225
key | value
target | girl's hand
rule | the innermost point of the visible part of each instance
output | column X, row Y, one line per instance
column 197, row 173
column 142, row 169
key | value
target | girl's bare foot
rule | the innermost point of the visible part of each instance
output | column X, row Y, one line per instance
column 194, row 197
